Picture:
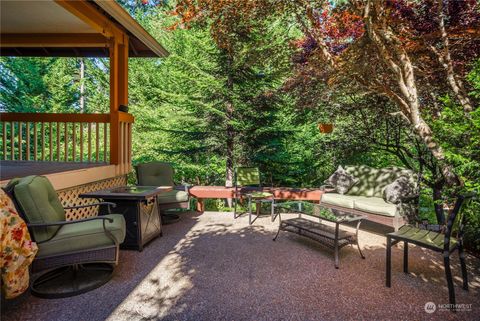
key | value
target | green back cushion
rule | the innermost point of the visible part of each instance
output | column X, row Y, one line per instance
column 39, row 203
column 247, row 176
column 372, row 181
column 155, row 174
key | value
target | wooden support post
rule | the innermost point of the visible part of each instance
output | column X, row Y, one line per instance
column 123, row 72
column 118, row 95
column 114, row 118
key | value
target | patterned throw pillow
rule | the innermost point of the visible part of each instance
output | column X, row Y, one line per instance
column 341, row 180
column 398, row 189
column 16, row 249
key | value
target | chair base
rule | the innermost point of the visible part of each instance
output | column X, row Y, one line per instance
column 71, row 280
column 169, row 218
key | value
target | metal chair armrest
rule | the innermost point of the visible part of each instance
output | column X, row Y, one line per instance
column 61, row 223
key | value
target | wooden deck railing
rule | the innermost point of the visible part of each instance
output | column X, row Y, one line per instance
column 68, row 138
column 123, row 146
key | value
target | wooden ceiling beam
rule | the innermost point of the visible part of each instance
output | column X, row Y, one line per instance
column 56, row 40
column 91, row 15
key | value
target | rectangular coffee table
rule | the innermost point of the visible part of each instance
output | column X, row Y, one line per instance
column 138, row 204
column 330, row 236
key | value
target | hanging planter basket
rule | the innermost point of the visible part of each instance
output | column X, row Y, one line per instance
column 325, row 128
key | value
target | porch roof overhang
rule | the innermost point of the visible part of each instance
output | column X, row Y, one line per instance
column 59, row 28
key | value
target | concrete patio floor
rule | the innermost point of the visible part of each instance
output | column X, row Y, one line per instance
column 212, row 267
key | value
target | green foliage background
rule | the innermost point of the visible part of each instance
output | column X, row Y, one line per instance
column 178, row 104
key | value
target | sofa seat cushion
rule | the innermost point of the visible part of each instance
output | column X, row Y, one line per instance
column 174, row 196
column 375, row 205
column 84, row 236
column 347, row 201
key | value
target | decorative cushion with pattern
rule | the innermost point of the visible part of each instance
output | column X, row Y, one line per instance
column 341, row 180
column 394, row 192
column 17, row 250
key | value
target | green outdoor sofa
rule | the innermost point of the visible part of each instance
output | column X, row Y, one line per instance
column 365, row 196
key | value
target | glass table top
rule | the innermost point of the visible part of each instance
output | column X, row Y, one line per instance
column 317, row 210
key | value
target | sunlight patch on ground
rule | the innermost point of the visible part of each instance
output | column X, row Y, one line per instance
column 160, row 289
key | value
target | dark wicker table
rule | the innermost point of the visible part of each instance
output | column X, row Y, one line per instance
column 138, row 204
column 330, row 236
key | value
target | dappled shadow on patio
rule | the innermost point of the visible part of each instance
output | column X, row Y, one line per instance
column 210, row 266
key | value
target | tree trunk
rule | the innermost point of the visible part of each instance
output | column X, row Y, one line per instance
column 82, row 85
column 394, row 56
column 425, row 133
column 445, row 60
column 437, row 201
column 230, row 131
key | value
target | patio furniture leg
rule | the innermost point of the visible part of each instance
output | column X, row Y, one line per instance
column 464, row 267
column 389, row 263
column 358, row 244
column 448, row 272
column 336, row 245
column 249, row 211
column 405, row 257
column 278, row 232
column 235, row 208
column 273, row 210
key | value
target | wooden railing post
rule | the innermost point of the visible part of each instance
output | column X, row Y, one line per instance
column 27, row 140
column 12, row 142
column 35, row 142
column 20, row 146
column 4, row 141
column 114, row 138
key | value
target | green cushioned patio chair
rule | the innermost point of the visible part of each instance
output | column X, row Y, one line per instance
column 79, row 255
column 161, row 174
column 445, row 240
column 248, row 185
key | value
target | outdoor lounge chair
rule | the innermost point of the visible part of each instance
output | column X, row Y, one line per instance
column 248, row 185
column 79, row 255
column 161, row 174
column 441, row 242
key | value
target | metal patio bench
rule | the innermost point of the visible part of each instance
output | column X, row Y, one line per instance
column 437, row 241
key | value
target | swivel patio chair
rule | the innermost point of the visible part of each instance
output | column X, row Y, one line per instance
column 79, row 255
column 161, row 174
column 437, row 241
column 248, row 185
